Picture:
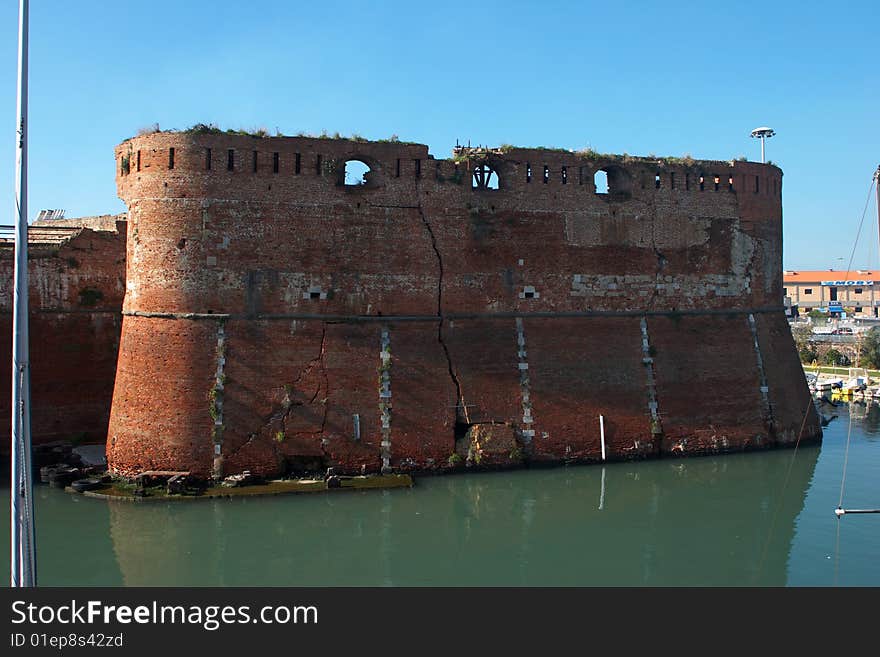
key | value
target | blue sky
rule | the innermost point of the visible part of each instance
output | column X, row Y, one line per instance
column 639, row 77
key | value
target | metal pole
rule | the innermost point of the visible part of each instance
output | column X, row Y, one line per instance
column 602, row 434
column 877, row 190
column 23, row 566
column 762, row 149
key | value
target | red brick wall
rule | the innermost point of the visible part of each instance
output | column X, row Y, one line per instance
column 163, row 381
column 76, row 283
column 445, row 270
column 793, row 412
column 581, row 369
column 707, row 383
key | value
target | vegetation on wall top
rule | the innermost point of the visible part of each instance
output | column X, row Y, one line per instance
column 262, row 132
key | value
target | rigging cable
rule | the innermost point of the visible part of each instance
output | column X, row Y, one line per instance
column 861, row 223
column 804, row 422
column 840, row 511
column 848, row 433
column 837, row 541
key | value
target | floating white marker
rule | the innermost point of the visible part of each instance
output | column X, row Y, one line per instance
column 839, row 512
column 602, row 434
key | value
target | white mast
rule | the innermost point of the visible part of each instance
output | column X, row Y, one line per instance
column 22, row 561
column 877, row 190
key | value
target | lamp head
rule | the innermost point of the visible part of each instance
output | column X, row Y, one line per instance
column 763, row 132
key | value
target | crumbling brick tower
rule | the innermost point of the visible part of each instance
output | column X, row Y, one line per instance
column 483, row 310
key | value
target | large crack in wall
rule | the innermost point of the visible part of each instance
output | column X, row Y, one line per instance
column 461, row 412
column 273, row 429
column 661, row 260
column 290, row 404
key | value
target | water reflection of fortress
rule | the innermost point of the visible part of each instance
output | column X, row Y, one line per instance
column 532, row 528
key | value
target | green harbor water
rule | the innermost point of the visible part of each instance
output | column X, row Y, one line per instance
column 763, row 519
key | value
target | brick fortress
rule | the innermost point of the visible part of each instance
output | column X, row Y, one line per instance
column 277, row 319
column 483, row 310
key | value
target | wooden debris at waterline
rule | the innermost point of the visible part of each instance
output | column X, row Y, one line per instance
column 272, row 487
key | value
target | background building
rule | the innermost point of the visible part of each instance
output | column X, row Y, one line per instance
column 833, row 291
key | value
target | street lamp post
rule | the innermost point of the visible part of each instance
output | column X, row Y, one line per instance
column 762, row 133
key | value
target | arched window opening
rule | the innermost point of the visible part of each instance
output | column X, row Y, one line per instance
column 614, row 181
column 484, row 177
column 356, row 173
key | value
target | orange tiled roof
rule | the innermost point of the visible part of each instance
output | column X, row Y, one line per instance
column 829, row 275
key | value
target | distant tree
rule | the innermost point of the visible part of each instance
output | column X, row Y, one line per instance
column 802, row 339
column 834, row 357
column 817, row 314
column 870, row 349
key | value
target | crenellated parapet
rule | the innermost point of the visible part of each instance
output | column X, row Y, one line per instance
column 583, row 219
column 274, row 167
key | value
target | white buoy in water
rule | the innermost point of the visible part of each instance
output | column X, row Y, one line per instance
column 839, row 511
